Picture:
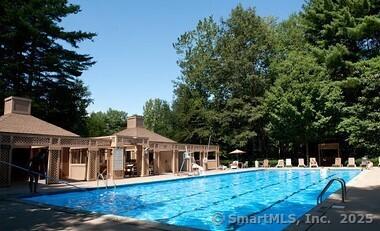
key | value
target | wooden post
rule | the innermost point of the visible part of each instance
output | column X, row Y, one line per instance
column 53, row 166
column 176, row 160
column 173, row 161
column 5, row 170
column 142, row 161
column 88, row 165
column 158, row 161
column 70, row 161
column 217, row 153
column 154, row 162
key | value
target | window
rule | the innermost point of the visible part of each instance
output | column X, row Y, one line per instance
column 211, row 156
column 78, row 156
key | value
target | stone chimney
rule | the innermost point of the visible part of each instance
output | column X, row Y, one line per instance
column 17, row 105
column 135, row 121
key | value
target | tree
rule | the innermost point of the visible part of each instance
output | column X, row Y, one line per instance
column 346, row 40
column 106, row 123
column 38, row 60
column 304, row 104
column 158, row 117
column 362, row 121
column 198, row 62
column 225, row 72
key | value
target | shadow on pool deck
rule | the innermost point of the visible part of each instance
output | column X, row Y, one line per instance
column 16, row 215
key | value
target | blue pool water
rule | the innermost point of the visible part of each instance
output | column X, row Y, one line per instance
column 214, row 202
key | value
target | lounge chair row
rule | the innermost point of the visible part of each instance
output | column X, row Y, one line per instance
column 313, row 163
column 288, row 163
column 301, row 163
column 236, row 164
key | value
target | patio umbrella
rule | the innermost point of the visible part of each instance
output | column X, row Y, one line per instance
column 237, row 152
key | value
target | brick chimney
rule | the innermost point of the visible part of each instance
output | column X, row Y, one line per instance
column 17, row 105
column 135, row 121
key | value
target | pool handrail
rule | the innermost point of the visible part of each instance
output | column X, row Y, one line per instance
column 343, row 189
column 101, row 175
column 105, row 179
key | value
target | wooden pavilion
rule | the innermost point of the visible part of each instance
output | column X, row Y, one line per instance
column 165, row 155
column 76, row 158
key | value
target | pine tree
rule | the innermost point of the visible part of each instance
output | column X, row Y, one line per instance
column 345, row 35
column 38, row 60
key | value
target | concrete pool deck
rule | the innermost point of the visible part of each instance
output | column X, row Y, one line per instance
column 15, row 214
column 360, row 211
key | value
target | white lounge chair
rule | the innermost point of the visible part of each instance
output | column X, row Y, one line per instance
column 365, row 162
column 234, row 164
column 245, row 165
column 301, row 163
column 198, row 169
column 313, row 163
column 351, row 162
column 288, row 163
column 265, row 163
column 280, row 163
column 369, row 165
column 379, row 162
column 222, row 167
column 338, row 162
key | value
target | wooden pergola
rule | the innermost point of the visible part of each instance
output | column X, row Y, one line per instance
column 328, row 146
column 77, row 158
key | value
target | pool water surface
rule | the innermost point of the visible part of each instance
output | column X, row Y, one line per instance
column 221, row 202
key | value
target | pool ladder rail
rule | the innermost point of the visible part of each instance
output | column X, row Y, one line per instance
column 105, row 180
column 343, row 189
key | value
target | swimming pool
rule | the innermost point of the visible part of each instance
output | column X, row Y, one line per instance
column 219, row 202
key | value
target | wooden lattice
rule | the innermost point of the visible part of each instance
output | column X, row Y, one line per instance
column 4, row 139
column 75, row 142
column 92, row 166
column 30, row 140
column 53, row 166
column 4, row 169
column 103, row 142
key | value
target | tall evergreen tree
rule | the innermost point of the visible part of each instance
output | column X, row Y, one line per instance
column 346, row 39
column 38, row 60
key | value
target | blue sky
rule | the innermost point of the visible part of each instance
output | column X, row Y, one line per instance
column 134, row 53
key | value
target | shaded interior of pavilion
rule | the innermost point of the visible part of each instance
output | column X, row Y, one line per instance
column 134, row 151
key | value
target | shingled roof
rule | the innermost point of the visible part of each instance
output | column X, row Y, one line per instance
column 135, row 128
column 17, row 119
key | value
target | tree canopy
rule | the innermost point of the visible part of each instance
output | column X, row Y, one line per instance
column 256, row 84
column 302, row 105
column 247, row 81
column 345, row 36
column 38, row 60
column 224, row 75
column 106, row 123
column 158, row 117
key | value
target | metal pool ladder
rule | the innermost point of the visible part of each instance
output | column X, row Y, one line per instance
column 343, row 189
column 100, row 175
column 105, row 180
